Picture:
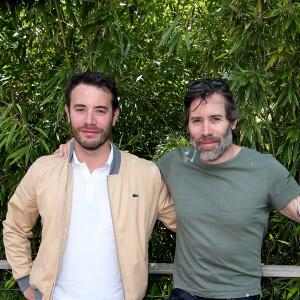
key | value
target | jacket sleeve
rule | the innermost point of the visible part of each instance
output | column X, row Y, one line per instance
column 21, row 216
column 166, row 210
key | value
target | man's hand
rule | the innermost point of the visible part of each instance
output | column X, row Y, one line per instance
column 64, row 149
column 29, row 293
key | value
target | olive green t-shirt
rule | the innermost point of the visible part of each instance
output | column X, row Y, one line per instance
column 222, row 214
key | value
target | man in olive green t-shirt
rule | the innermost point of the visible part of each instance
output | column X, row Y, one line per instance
column 223, row 194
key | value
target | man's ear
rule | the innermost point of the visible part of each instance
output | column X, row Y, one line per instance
column 115, row 116
column 67, row 112
column 233, row 124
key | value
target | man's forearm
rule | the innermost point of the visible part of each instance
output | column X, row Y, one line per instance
column 292, row 210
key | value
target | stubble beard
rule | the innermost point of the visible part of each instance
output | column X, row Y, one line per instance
column 91, row 144
column 214, row 153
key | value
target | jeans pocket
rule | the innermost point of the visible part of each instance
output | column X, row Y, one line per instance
column 178, row 294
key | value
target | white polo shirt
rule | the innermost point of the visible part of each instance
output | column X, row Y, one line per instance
column 90, row 267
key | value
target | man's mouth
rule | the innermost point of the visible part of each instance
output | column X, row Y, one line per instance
column 206, row 142
column 90, row 132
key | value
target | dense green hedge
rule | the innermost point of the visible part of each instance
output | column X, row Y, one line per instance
column 153, row 48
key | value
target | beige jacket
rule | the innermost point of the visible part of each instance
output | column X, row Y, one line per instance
column 138, row 196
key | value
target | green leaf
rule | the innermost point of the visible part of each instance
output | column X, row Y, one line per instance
column 11, row 134
column 296, row 151
column 18, row 152
column 3, row 121
column 269, row 128
column 50, row 97
column 19, row 108
column 169, row 31
column 9, row 283
column 236, row 46
column 292, row 132
column 287, row 24
column 294, row 167
column 187, row 39
column 174, row 42
column 280, row 149
column 17, row 158
column 45, row 145
column 127, row 49
column 41, row 131
column 248, row 92
column 272, row 60
column 2, row 143
column 258, row 131
column 7, row 110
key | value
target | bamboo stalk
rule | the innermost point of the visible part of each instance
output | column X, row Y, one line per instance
column 12, row 96
column 62, row 31
column 90, row 43
column 272, row 144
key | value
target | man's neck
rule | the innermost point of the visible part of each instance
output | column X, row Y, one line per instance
column 231, row 153
column 93, row 158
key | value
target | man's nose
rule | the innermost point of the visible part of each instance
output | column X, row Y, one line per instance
column 206, row 129
column 90, row 118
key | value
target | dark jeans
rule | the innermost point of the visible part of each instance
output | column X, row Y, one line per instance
column 178, row 294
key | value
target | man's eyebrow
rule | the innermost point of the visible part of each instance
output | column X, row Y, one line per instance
column 102, row 107
column 211, row 116
column 216, row 116
column 98, row 106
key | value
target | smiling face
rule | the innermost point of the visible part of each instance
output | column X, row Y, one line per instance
column 91, row 116
column 210, row 130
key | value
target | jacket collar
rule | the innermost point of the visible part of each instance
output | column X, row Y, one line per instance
column 115, row 164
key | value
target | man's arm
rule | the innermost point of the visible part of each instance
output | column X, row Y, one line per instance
column 292, row 210
column 166, row 212
column 21, row 216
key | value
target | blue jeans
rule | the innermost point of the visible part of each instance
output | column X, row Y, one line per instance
column 178, row 294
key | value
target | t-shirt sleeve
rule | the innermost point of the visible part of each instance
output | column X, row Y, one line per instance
column 164, row 165
column 281, row 190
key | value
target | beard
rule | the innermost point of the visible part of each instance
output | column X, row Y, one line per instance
column 213, row 153
column 91, row 143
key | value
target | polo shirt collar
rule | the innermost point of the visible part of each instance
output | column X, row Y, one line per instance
column 75, row 161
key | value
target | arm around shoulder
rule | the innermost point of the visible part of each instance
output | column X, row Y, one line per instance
column 166, row 212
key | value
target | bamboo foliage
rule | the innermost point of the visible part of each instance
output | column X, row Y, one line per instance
column 152, row 48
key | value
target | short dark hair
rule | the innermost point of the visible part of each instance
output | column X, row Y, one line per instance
column 96, row 79
column 206, row 87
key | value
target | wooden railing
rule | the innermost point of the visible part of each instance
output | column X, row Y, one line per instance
column 165, row 269
column 267, row 271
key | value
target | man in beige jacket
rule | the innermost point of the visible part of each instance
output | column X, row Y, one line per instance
column 98, row 208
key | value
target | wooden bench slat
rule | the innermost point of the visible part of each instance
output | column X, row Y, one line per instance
column 160, row 268
column 267, row 270
column 281, row 271
column 167, row 269
column 4, row 265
